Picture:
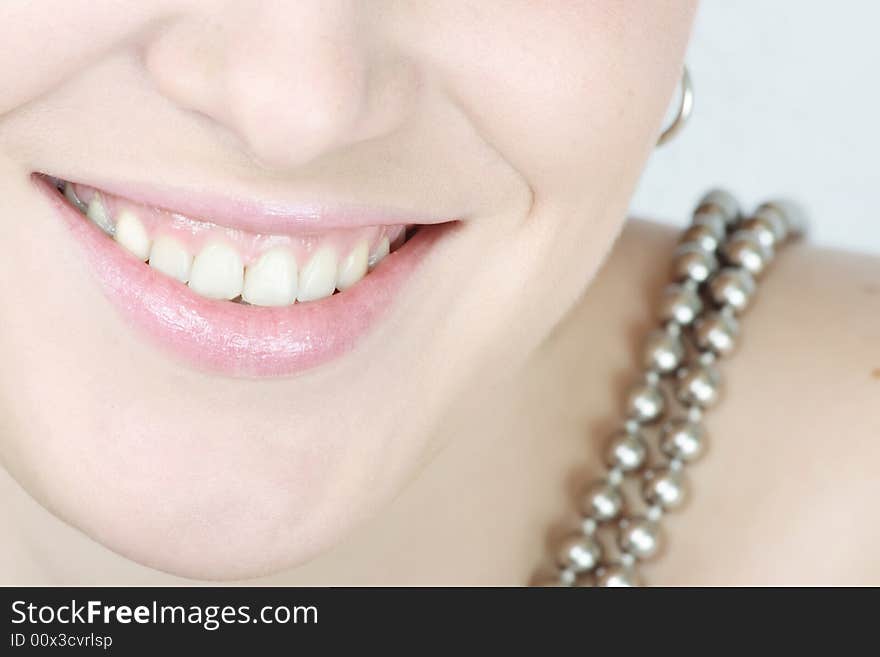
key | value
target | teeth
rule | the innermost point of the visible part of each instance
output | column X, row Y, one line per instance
column 171, row 258
column 217, row 272
column 97, row 212
column 382, row 250
column 130, row 233
column 272, row 280
column 318, row 278
column 74, row 199
column 353, row 268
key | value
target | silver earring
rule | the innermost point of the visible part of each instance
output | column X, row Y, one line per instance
column 685, row 107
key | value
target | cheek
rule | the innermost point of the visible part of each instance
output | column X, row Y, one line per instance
column 572, row 94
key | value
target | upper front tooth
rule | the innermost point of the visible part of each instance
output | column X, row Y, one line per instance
column 171, row 258
column 217, row 272
column 318, row 277
column 97, row 212
column 382, row 250
column 353, row 268
column 131, row 234
column 272, row 280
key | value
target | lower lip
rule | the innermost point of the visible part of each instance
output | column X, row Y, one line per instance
column 234, row 339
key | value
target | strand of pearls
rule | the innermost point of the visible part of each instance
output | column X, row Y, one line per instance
column 715, row 266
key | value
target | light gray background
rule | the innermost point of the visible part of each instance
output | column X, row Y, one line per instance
column 787, row 104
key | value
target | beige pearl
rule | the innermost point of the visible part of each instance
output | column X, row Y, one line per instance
column 664, row 488
column 579, row 553
column 602, row 502
column 645, row 403
column 717, row 332
column 640, row 537
column 663, row 351
column 744, row 250
column 734, row 287
column 682, row 439
column 680, row 304
column 626, row 451
column 699, row 385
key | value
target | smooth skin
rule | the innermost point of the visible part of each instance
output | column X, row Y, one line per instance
column 449, row 447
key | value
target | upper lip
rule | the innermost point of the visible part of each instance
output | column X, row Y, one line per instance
column 263, row 216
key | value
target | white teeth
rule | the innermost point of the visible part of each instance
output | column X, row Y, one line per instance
column 318, row 278
column 97, row 212
column 382, row 250
column 131, row 234
column 272, row 280
column 217, row 272
column 171, row 258
column 353, row 268
column 73, row 198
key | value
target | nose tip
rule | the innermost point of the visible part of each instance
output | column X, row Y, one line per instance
column 288, row 114
column 291, row 85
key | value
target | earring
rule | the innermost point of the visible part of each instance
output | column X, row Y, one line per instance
column 685, row 107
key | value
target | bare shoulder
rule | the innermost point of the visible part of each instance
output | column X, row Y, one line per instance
column 794, row 469
column 812, row 342
column 786, row 491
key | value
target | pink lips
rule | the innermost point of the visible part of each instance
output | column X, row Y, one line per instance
column 263, row 217
column 235, row 339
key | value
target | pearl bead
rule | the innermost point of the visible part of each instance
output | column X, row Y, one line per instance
column 692, row 262
column 734, row 287
column 579, row 553
column 682, row 439
column 744, row 250
column 640, row 537
column 618, row 576
column 602, row 502
column 769, row 217
column 626, row 451
column 703, row 236
column 793, row 215
column 681, row 304
column 718, row 332
column 724, row 201
column 699, row 385
column 664, row 488
column 712, row 219
column 663, row 351
column 762, row 228
column 645, row 403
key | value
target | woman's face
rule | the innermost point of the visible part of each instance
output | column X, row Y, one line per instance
column 213, row 438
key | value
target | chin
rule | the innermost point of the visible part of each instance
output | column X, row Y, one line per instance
column 211, row 517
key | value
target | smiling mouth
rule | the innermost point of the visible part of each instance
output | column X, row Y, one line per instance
column 236, row 301
column 218, row 262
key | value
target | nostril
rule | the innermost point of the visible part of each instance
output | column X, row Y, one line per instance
column 290, row 86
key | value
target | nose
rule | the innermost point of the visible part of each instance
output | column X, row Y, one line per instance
column 292, row 80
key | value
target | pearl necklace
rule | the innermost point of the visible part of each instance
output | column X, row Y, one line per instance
column 715, row 266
